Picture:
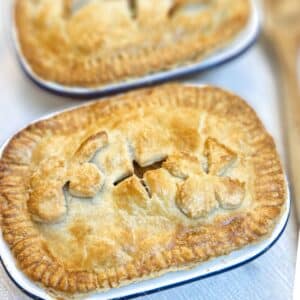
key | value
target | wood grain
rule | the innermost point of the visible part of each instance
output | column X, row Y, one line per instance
column 282, row 30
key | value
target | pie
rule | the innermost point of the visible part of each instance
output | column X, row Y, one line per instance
column 137, row 185
column 96, row 42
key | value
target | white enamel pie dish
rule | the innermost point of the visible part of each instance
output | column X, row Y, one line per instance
column 172, row 279
column 235, row 48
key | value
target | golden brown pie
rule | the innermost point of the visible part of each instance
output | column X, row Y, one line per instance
column 105, row 41
column 137, row 185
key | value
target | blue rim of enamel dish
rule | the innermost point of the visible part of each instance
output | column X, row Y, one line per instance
column 222, row 56
column 173, row 285
column 123, row 87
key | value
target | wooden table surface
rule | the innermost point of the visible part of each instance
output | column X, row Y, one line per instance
column 268, row 277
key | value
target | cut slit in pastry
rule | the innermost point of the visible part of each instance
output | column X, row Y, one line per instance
column 168, row 216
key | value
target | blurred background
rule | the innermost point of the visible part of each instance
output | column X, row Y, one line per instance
column 265, row 76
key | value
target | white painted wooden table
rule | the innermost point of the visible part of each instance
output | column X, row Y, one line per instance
column 268, row 277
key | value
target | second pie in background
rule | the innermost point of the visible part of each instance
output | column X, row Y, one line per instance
column 99, row 43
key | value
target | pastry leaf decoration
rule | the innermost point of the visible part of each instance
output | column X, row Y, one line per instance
column 47, row 202
column 205, row 188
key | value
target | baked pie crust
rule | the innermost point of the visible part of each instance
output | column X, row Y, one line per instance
column 137, row 185
column 102, row 42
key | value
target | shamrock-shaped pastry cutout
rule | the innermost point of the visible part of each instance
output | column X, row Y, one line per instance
column 205, row 186
column 47, row 202
column 195, row 197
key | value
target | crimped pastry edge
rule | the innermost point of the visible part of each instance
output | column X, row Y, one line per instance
column 82, row 86
column 270, row 213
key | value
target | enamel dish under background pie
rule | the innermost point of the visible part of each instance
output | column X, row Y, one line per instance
column 111, row 193
column 104, row 42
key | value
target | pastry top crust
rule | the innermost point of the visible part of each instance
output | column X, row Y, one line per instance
column 136, row 185
column 103, row 42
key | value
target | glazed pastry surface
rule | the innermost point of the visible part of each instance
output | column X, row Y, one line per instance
column 97, row 42
column 133, row 186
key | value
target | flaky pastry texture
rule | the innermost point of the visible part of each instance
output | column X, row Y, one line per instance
column 97, row 42
column 133, row 186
